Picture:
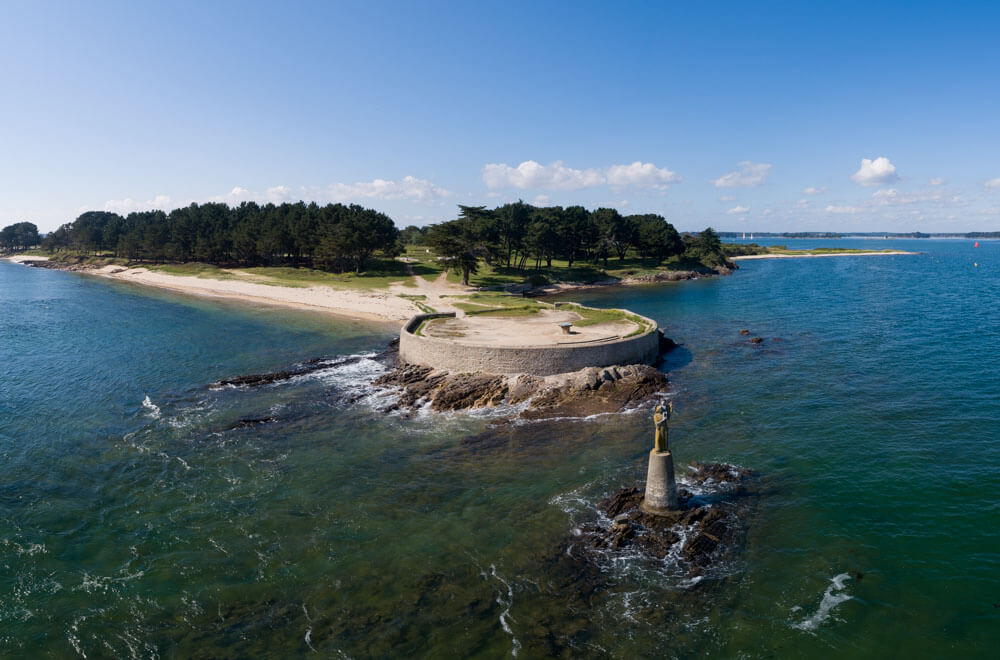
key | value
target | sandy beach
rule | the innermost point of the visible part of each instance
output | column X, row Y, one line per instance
column 748, row 257
column 382, row 305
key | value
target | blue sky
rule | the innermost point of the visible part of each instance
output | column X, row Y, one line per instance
column 754, row 116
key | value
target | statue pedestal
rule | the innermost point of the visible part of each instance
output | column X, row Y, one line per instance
column 661, row 488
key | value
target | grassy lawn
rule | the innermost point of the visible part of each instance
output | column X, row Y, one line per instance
column 591, row 316
column 379, row 276
column 488, row 303
column 194, row 269
column 424, row 264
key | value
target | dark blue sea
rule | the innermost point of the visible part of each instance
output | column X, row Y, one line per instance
column 139, row 519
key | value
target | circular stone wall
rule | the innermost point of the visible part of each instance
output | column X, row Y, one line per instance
column 544, row 360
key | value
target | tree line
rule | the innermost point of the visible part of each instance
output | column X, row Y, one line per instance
column 18, row 237
column 520, row 236
column 333, row 237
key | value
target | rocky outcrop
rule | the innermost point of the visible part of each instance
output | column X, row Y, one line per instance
column 307, row 367
column 598, row 390
column 704, row 532
column 579, row 394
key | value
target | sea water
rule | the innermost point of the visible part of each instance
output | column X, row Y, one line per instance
column 139, row 518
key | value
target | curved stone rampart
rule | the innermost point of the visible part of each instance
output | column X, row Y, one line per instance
column 543, row 360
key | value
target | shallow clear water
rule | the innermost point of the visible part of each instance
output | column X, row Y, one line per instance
column 134, row 522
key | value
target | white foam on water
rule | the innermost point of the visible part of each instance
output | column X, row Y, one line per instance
column 154, row 410
column 309, row 629
column 219, row 547
column 833, row 596
column 506, row 603
column 102, row 583
column 73, row 635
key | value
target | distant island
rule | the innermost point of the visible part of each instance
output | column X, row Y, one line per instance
column 855, row 234
column 744, row 251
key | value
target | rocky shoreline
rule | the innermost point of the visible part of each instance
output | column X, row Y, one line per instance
column 589, row 391
column 582, row 393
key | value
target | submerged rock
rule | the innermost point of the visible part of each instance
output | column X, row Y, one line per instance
column 307, row 367
column 251, row 422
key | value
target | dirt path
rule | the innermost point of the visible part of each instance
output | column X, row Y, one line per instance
column 436, row 292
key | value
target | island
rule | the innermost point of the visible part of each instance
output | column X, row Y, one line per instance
column 356, row 262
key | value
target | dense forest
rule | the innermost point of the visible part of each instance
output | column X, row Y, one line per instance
column 18, row 236
column 518, row 237
column 338, row 237
column 332, row 237
column 522, row 237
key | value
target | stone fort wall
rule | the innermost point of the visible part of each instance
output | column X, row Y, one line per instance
column 538, row 360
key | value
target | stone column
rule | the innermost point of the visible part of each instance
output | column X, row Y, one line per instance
column 661, row 487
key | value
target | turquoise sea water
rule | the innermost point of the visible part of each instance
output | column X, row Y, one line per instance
column 135, row 522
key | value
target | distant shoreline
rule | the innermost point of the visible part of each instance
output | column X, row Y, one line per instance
column 812, row 256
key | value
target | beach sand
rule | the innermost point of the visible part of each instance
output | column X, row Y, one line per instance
column 381, row 305
column 21, row 258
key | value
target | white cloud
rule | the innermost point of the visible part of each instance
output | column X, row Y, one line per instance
column 642, row 175
column 541, row 200
column 128, row 205
column 843, row 210
column 411, row 188
column 557, row 176
column 408, row 188
column 531, row 174
column 736, row 210
column 749, row 175
column 885, row 196
column 937, row 182
column 874, row 172
column 892, row 197
column 814, row 191
column 993, row 183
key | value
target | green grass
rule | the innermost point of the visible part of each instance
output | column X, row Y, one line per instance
column 379, row 275
column 521, row 310
column 417, row 299
column 591, row 316
column 194, row 269
column 424, row 264
column 495, row 299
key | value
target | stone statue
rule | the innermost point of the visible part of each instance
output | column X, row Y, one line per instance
column 661, row 416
